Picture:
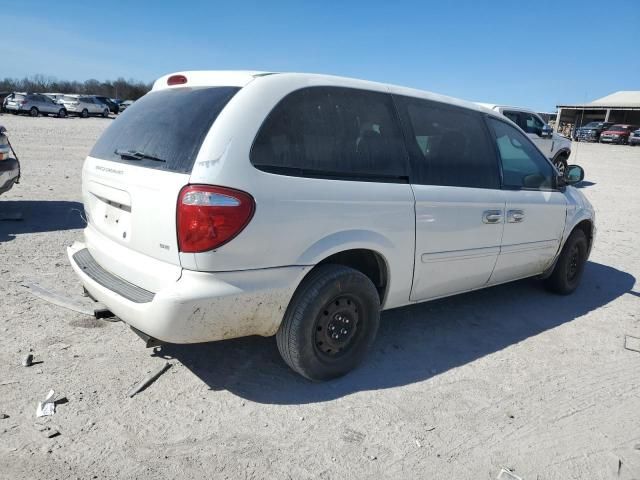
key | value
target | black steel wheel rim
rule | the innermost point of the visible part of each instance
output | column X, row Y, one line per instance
column 338, row 326
column 574, row 263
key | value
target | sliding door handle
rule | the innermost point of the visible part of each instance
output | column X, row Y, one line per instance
column 492, row 216
column 515, row 216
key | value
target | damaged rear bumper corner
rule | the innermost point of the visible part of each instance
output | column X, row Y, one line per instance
column 201, row 306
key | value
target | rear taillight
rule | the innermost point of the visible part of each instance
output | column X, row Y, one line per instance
column 208, row 217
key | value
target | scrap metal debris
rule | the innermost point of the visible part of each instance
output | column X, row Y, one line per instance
column 61, row 300
column 27, row 361
column 632, row 343
column 47, row 406
column 149, row 380
column 3, row 416
column 51, row 432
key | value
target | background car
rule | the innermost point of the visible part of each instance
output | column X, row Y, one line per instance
column 9, row 167
column 591, row 131
column 84, row 106
column 617, row 134
column 113, row 106
column 125, row 104
column 634, row 138
column 556, row 147
column 34, row 104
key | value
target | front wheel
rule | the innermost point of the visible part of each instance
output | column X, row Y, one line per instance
column 85, row 113
column 62, row 113
column 105, row 113
column 567, row 273
column 330, row 323
column 560, row 162
column 33, row 112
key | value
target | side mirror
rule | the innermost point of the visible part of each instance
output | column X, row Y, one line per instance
column 546, row 132
column 573, row 174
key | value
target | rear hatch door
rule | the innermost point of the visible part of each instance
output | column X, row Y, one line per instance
column 133, row 175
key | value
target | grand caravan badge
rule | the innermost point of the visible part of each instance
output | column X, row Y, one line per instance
column 109, row 170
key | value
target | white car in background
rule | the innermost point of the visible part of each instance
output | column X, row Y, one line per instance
column 84, row 106
column 227, row 204
column 556, row 147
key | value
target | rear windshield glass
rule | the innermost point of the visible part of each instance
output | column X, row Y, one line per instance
column 168, row 125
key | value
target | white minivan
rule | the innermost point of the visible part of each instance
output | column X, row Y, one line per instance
column 226, row 204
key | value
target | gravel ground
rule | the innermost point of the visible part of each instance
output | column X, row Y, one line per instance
column 509, row 377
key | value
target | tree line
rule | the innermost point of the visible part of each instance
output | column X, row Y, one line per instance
column 120, row 88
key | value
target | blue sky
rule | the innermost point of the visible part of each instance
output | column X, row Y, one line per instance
column 535, row 54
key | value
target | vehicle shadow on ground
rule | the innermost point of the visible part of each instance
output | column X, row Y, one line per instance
column 32, row 216
column 584, row 184
column 414, row 343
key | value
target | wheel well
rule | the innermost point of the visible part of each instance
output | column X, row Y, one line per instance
column 587, row 227
column 368, row 262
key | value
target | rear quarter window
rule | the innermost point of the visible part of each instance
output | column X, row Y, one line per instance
column 333, row 132
column 166, row 124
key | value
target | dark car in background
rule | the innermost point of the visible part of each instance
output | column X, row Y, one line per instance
column 125, row 104
column 113, row 106
column 634, row 138
column 591, row 131
column 617, row 134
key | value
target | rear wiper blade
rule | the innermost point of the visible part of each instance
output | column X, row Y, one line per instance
column 136, row 155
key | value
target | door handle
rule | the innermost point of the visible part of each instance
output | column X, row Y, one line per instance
column 515, row 216
column 492, row 216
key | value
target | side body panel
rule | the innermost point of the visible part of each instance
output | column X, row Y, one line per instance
column 455, row 249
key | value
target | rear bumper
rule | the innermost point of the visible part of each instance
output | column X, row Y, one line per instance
column 612, row 139
column 199, row 306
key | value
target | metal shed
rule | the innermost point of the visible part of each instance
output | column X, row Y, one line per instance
column 619, row 107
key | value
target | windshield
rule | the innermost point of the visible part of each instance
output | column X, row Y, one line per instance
column 168, row 124
column 593, row 125
column 618, row 128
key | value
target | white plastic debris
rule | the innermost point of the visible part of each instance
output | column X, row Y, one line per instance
column 506, row 474
column 47, row 406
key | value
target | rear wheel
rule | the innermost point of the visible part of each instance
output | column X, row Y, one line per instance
column 85, row 113
column 570, row 265
column 34, row 112
column 330, row 323
column 105, row 113
column 62, row 113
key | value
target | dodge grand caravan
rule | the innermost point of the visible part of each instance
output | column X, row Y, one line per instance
column 225, row 204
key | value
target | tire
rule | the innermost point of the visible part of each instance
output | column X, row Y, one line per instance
column 332, row 298
column 105, row 113
column 560, row 162
column 62, row 113
column 85, row 113
column 569, row 268
column 34, row 112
